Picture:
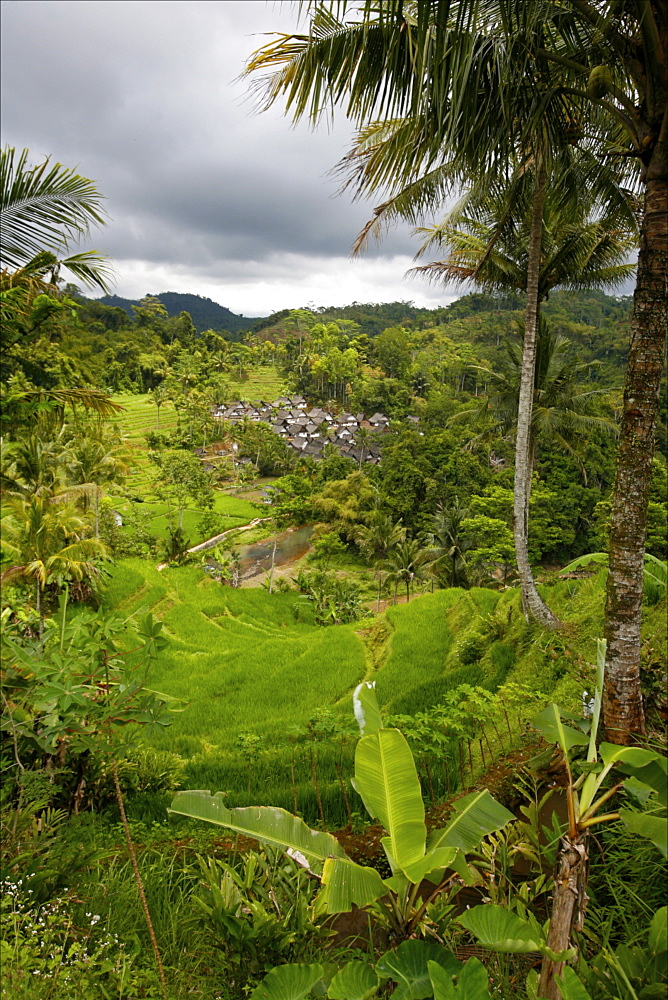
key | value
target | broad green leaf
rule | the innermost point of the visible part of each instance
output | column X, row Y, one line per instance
column 346, row 883
column 472, row 983
column 408, row 966
column 658, row 932
column 634, row 756
column 476, row 815
column 570, row 986
column 355, row 981
column 638, row 790
column 288, row 982
column 441, row 982
column 365, row 707
column 531, row 984
column 655, row 828
column 386, row 780
column 433, row 862
column 550, row 725
column 266, row 823
column 498, row 929
column 654, row 775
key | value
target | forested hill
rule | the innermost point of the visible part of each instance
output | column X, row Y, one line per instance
column 205, row 313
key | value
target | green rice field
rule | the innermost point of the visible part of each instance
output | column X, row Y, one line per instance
column 233, row 512
column 247, row 661
column 141, row 415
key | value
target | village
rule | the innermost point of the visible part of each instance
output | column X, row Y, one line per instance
column 308, row 431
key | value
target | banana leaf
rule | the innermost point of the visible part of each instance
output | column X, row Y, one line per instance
column 265, row 823
column 387, row 782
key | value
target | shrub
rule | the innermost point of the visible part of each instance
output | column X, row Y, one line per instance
column 470, row 647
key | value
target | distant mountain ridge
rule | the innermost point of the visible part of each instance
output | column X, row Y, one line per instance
column 205, row 313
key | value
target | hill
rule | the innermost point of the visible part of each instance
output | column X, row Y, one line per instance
column 205, row 313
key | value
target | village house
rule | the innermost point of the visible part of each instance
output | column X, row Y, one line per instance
column 308, row 430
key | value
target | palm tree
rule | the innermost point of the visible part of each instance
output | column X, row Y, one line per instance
column 405, row 564
column 94, row 461
column 466, row 82
column 493, row 81
column 447, row 546
column 563, row 397
column 377, row 540
column 158, row 398
column 577, row 247
column 43, row 538
column 31, row 466
column 42, row 210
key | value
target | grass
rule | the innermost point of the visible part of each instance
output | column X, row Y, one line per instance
column 232, row 511
column 238, row 657
column 244, row 663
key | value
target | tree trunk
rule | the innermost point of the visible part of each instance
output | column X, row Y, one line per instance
column 622, row 699
column 568, row 905
column 533, row 604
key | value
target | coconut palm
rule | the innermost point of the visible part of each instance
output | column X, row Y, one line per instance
column 377, row 540
column 583, row 243
column 43, row 209
column 447, row 546
column 563, row 397
column 92, row 462
column 31, row 466
column 42, row 538
column 158, row 398
column 470, row 82
column 406, row 563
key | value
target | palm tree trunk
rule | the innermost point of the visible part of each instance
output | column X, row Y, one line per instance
column 622, row 699
column 533, row 604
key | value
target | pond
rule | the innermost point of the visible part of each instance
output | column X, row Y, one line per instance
column 290, row 546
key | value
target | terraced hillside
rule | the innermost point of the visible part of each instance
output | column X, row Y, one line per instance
column 247, row 662
column 238, row 657
column 141, row 415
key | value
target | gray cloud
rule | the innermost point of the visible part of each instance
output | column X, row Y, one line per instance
column 145, row 99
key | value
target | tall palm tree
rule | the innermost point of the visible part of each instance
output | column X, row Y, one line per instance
column 471, row 81
column 43, row 209
column 582, row 244
column 158, row 398
column 416, row 64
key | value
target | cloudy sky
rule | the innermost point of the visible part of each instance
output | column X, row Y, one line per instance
column 204, row 195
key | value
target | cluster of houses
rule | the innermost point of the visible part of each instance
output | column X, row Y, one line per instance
column 308, row 430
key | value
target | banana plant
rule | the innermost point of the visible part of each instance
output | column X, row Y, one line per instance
column 387, row 782
column 586, row 796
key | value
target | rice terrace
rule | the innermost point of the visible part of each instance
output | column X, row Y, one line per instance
column 334, row 635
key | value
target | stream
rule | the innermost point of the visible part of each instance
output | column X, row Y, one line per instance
column 290, row 545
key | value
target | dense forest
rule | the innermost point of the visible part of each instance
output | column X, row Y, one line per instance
column 334, row 642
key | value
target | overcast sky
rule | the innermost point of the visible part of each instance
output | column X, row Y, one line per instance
column 204, row 195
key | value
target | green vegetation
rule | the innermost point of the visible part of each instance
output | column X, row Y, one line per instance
column 134, row 669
